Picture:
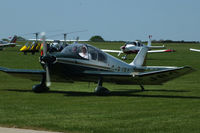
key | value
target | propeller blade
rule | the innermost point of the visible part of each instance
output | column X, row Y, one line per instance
column 44, row 43
column 48, row 81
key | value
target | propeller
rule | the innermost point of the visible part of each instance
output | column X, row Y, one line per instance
column 122, row 48
column 77, row 38
column 48, row 81
column 65, row 34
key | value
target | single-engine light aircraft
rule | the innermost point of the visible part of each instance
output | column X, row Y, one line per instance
column 12, row 43
column 134, row 47
column 83, row 62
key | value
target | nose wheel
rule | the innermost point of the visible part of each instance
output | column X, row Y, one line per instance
column 124, row 57
column 40, row 88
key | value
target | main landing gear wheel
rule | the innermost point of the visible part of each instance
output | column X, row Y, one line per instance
column 40, row 88
column 142, row 87
column 101, row 91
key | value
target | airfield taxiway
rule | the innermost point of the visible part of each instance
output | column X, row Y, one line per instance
column 17, row 130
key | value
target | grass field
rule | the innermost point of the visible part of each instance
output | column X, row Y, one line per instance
column 73, row 108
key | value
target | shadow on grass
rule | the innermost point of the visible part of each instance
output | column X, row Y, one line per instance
column 156, row 90
column 160, row 59
column 126, row 93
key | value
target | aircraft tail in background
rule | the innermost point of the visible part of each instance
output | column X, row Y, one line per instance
column 14, row 39
column 149, row 41
column 153, row 47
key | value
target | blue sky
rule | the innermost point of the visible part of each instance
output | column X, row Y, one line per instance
column 112, row 19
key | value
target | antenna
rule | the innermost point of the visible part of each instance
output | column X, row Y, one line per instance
column 36, row 36
column 65, row 38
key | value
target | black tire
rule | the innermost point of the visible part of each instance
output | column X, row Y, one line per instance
column 40, row 88
column 101, row 91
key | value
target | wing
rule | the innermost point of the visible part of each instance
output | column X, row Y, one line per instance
column 156, row 47
column 160, row 51
column 35, row 75
column 143, row 78
column 138, row 78
column 8, row 45
column 162, row 76
column 111, row 51
column 196, row 50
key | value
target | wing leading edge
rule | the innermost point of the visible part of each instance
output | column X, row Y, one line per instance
column 196, row 50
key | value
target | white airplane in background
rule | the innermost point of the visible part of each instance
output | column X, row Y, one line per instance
column 196, row 50
column 12, row 43
column 134, row 47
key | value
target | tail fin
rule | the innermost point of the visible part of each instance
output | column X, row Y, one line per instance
column 14, row 39
column 26, row 44
column 149, row 41
column 139, row 60
column 24, row 48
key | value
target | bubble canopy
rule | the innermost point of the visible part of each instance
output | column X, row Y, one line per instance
column 85, row 51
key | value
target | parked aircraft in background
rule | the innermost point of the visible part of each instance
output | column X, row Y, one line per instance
column 134, row 47
column 83, row 62
column 12, row 43
column 196, row 50
column 33, row 47
column 55, row 45
column 30, row 48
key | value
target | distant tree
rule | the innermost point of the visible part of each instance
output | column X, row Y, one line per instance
column 19, row 38
column 153, row 41
column 5, row 39
column 96, row 39
column 168, row 41
column 161, row 40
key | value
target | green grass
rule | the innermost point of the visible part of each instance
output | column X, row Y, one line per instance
column 73, row 108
